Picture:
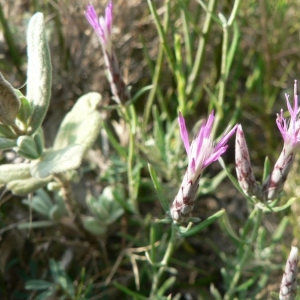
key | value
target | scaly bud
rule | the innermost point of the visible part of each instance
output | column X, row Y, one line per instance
column 288, row 287
column 243, row 167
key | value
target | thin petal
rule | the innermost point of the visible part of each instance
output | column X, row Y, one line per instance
column 226, row 137
column 109, row 16
column 91, row 16
column 183, row 132
column 214, row 156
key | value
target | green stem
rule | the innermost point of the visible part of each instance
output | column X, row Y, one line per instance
column 234, row 12
column 192, row 80
column 222, row 82
column 156, row 76
column 224, row 72
column 245, row 256
column 164, row 262
column 162, row 32
column 129, row 115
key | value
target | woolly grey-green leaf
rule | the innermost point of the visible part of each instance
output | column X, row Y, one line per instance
column 106, row 208
column 7, row 132
column 94, row 226
column 24, row 111
column 82, row 124
column 10, row 172
column 39, row 205
column 7, row 143
column 55, row 213
column 9, row 102
column 57, row 161
column 25, row 186
column 39, row 74
column 27, row 147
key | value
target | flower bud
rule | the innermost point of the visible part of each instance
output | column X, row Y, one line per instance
column 288, row 287
column 243, row 167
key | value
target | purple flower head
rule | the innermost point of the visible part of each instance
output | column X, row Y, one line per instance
column 203, row 151
column 102, row 26
column 290, row 131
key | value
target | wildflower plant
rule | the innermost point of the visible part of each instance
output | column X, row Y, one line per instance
column 103, row 28
column 201, row 153
column 272, row 185
column 128, row 238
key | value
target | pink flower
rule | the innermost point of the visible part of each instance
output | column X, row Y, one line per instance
column 102, row 26
column 201, row 152
column 290, row 130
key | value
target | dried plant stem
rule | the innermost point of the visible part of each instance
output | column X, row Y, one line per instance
column 73, row 209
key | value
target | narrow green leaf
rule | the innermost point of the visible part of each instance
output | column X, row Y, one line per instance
column 233, row 180
column 226, row 225
column 162, row 33
column 139, row 93
column 129, row 292
column 121, row 151
column 36, row 224
column 280, row 230
column 166, row 286
column 204, row 224
column 267, row 169
column 164, row 202
column 215, row 293
column 38, row 285
column 45, row 295
column 267, row 208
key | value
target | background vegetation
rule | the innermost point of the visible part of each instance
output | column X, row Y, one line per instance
column 239, row 63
